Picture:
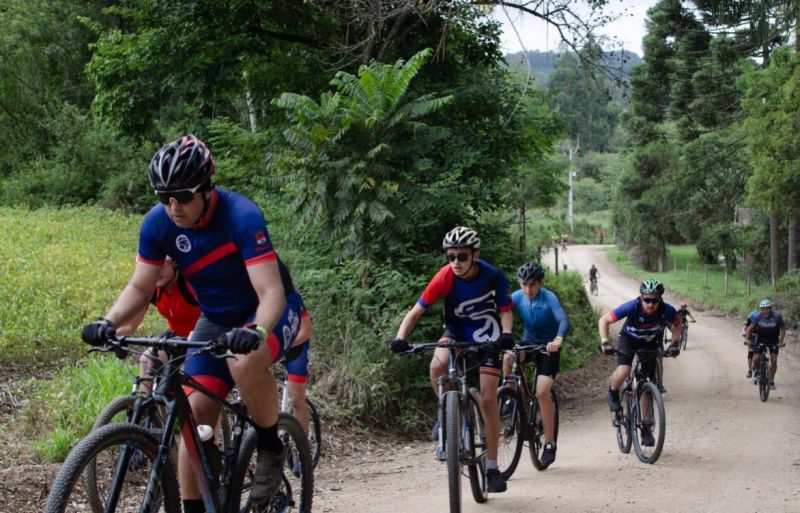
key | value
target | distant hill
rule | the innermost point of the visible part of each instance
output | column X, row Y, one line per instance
column 543, row 63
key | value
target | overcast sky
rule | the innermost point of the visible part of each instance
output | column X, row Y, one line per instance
column 537, row 35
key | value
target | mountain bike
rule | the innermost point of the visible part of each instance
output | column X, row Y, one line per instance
column 593, row 286
column 520, row 415
column 762, row 380
column 642, row 410
column 462, row 439
column 133, row 464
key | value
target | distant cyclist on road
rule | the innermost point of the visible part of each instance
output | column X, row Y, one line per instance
column 544, row 320
column 477, row 307
column 594, row 274
column 646, row 318
column 684, row 312
column 770, row 330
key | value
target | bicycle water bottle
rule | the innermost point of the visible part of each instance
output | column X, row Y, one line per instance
column 206, row 434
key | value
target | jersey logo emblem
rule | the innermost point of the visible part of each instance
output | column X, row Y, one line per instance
column 183, row 243
column 261, row 239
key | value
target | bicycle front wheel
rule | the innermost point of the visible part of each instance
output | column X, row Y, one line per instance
column 512, row 425
column 297, row 489
column 649, row 423
column 123, row 456
column 475, row 445
column 314, row 432
column 452, row 440
column 684, row 337
column 536, row 437
column 763, row 378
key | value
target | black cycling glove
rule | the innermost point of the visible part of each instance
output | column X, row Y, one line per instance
column 606, row 348
column 244, row 340
column 98, row 332
column 505, row 342
column 399, row 345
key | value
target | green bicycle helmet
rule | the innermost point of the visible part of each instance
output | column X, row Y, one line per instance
column 651, row 286
column 765, row 303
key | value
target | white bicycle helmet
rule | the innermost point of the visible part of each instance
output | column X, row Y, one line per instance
column 461, row 237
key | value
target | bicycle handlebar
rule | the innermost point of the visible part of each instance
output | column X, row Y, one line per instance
column 169, row 344
column 464, row 345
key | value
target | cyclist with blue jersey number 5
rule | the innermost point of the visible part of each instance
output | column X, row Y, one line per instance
column 544, row 319
column 220, row 243
column 478, row 309
column 646, row 318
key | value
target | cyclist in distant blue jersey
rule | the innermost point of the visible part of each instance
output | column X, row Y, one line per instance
column 545, row 321
column 749, row 342
column 477, row 308
column 770, row 329
column 646, row 318
column 220, row 242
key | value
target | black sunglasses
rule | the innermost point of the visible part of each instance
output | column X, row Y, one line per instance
column 182, row 196
column 461, row 257
column 650, row 300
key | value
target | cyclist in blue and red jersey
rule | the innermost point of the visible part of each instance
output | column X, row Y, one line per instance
column 749, row 342
column 646, row 318
column 544, row 320
column 220, row 242
column 770, row 330
column 477, row 307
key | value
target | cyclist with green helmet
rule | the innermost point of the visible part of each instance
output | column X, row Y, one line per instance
column 771, row 330
column 646, row 318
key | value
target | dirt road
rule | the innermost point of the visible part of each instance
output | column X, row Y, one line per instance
column 725, row 450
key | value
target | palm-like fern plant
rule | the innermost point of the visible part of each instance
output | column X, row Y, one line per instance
column 357, row 153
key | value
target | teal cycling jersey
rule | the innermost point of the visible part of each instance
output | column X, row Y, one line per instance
column 542, row 317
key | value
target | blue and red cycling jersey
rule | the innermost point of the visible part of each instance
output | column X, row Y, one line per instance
column 471, row 308
column 640, row 326
column 214, row 257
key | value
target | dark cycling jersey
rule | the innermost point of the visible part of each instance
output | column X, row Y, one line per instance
column 214, row 257
column 768, row 328
column 542, row 317
column 683, row 312
column 178, row 306
column 471, row 308
column 640, row 326
column 593, row 273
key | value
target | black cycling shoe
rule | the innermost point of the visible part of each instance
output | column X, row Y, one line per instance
column 662, row 389
column 495, row 482
column 548, row 454
column 613, row 400
column 648, row 440
column 267, row 477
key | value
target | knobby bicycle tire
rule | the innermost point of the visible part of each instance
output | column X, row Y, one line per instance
column 512, row 431
column 314, row 432
column 106, row 444
column 476, row 450
column 289, row 498
column 763, row 378
column 657, row 415
column 622, row 420
column 684, row 337
column 452, row 439
column 536, row 430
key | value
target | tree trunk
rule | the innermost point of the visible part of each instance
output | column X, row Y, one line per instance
column 774, row 247
column 522, row 232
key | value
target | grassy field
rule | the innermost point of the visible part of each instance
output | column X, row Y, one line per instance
column 703, row 286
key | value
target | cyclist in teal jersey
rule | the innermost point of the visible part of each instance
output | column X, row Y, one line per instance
column 544, row 320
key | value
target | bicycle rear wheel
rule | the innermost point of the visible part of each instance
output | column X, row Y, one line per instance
column 452, row 440
column 122, row 455
column 536, row 431
column 622, row 421
column 684, row 337
column 475, row 445
column 763, row 378
column 296, row 491
column 512, row 425
column 650, row 401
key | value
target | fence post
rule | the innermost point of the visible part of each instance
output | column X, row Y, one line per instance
column 726, row 280
column 705, row 273
column 555, row 253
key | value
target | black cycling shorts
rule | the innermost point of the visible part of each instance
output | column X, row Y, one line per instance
column 628, row 345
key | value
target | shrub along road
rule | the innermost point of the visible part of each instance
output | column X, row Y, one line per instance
column 725, row 450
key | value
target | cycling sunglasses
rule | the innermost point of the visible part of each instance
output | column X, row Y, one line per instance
column 182, row 196
column 651, row 300
column 461, row 257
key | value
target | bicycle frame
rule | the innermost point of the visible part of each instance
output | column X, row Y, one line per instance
column 456, row 377
column 517, row 376
column 636, row 377
column 170, row 394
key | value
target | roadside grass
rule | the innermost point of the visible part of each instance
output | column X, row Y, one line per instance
column 702, row 286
